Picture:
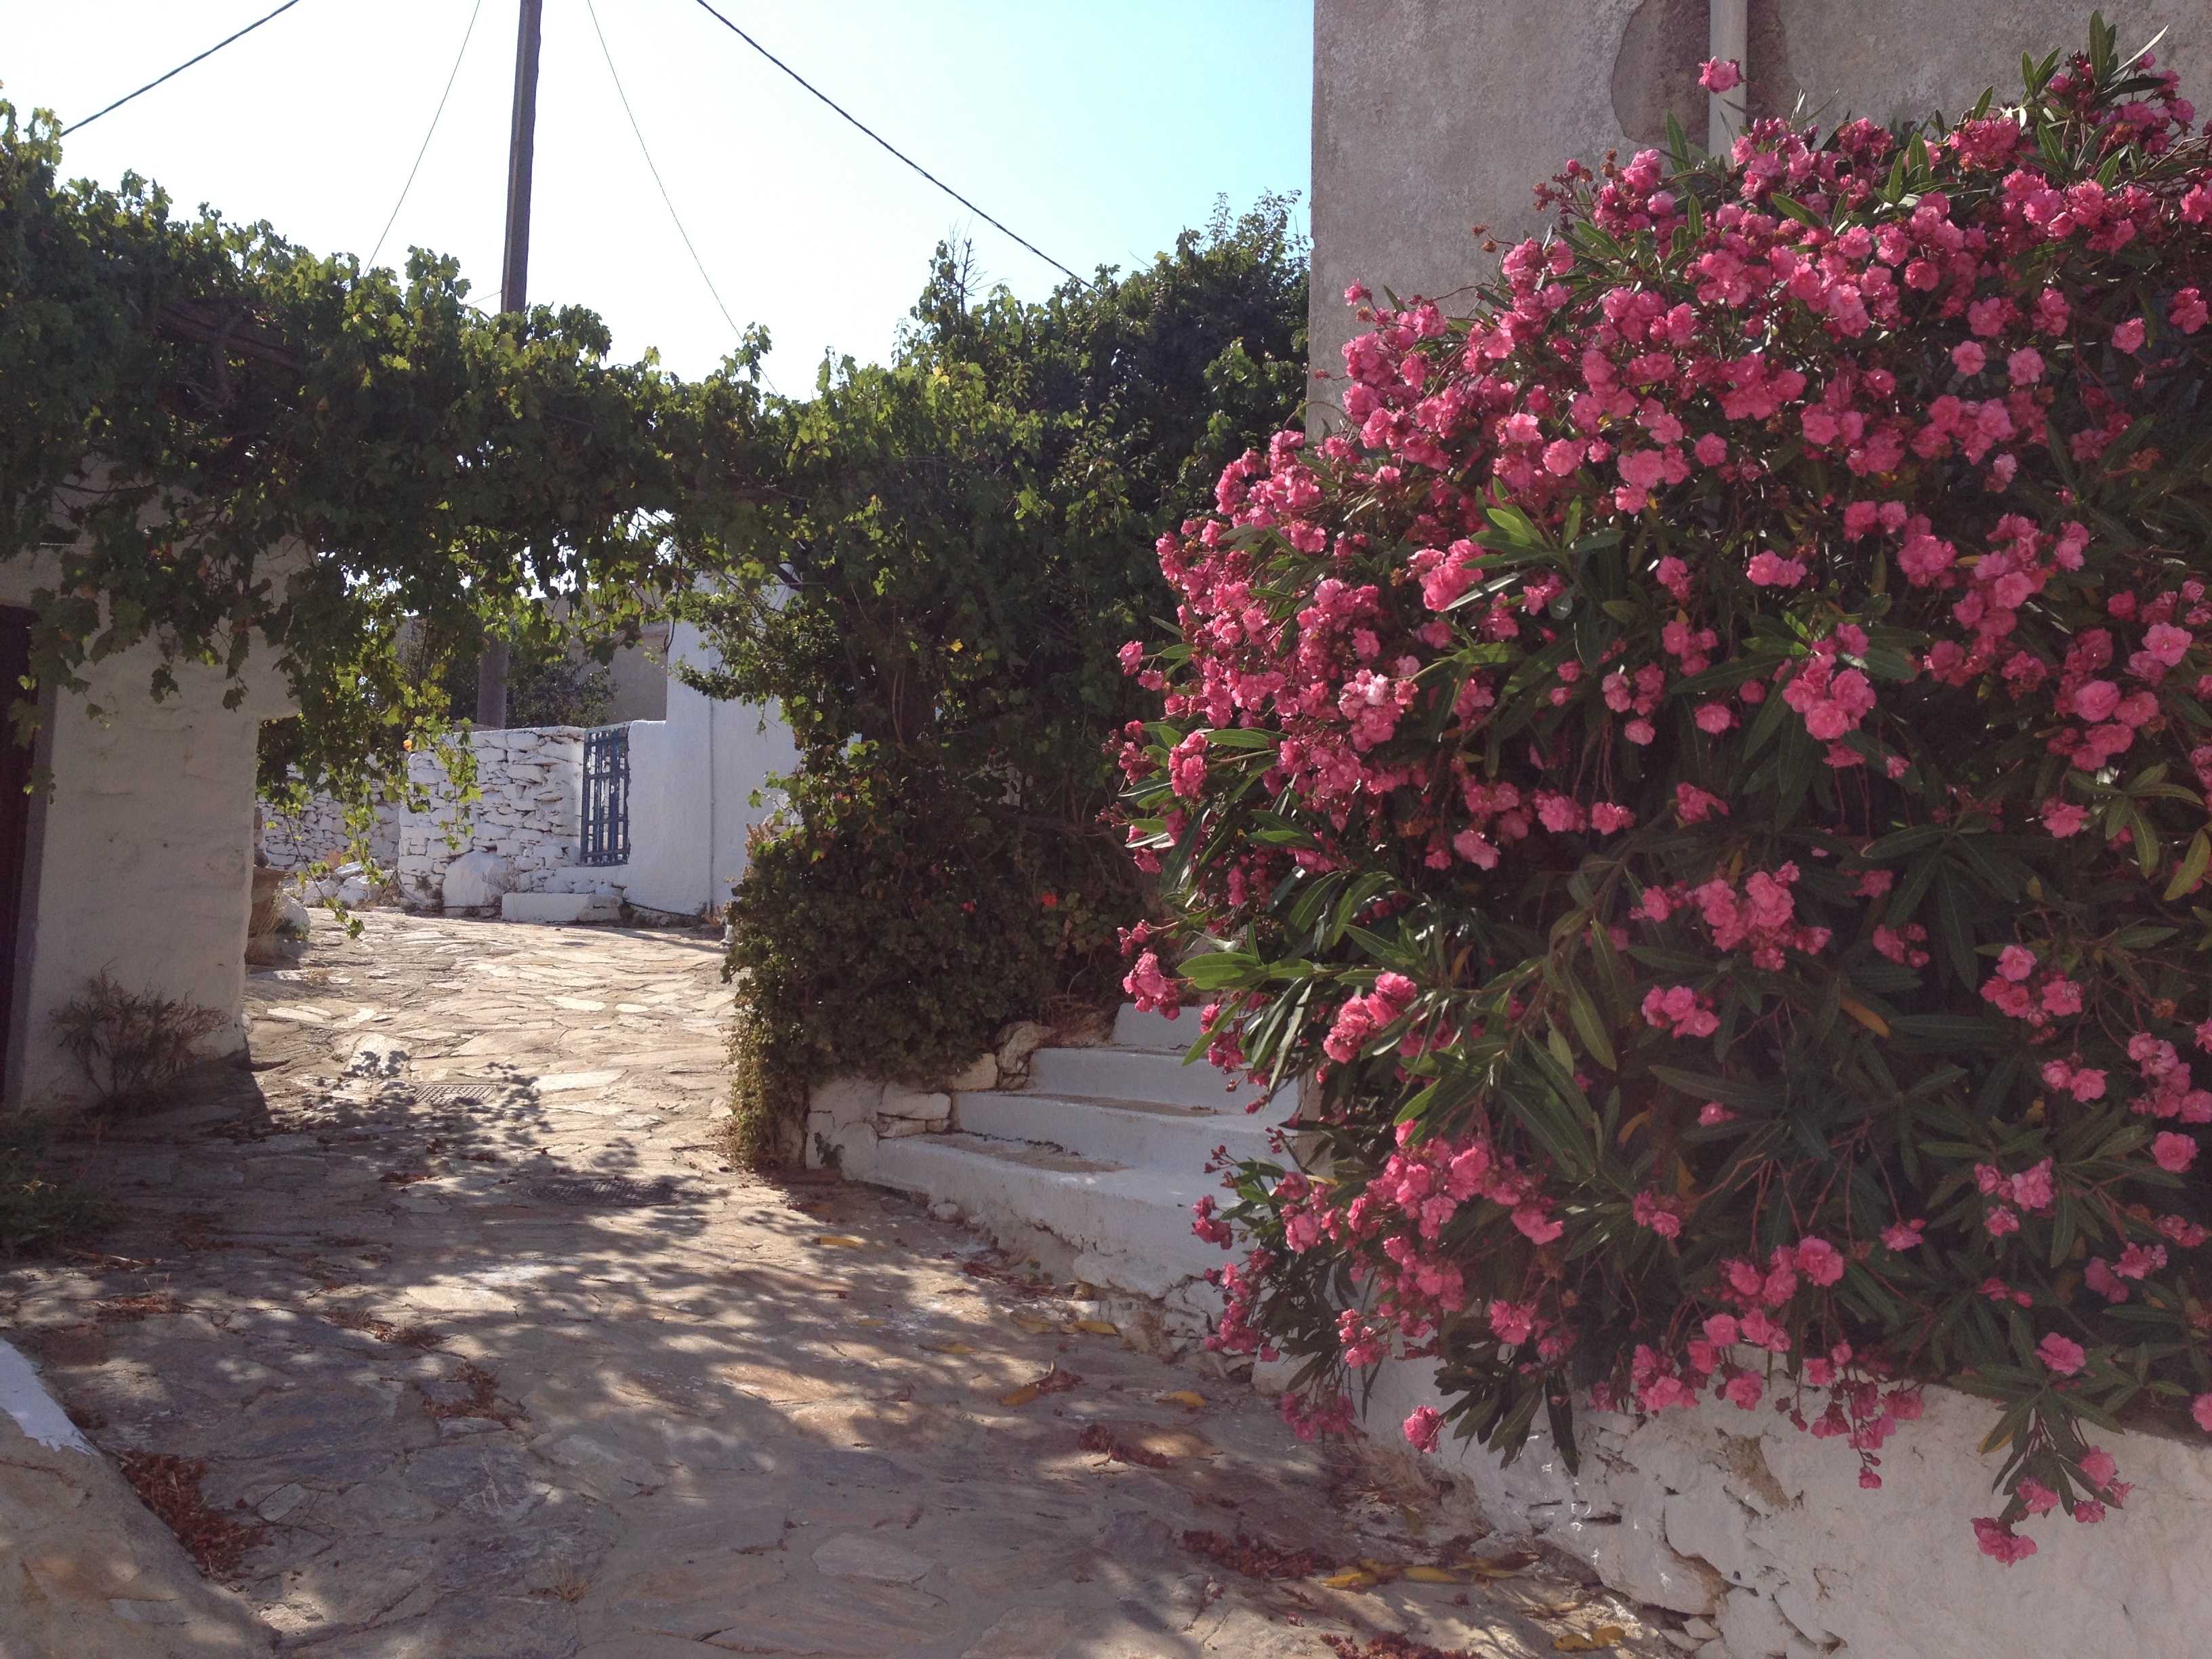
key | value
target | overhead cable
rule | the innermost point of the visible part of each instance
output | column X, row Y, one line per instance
column 880, row 139
column 645, row 151
column 427, row 136
column 180, row 69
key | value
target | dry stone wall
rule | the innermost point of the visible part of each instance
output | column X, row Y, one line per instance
column 531, row 781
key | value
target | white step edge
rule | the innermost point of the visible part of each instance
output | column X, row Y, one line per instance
column 1140, row 1133
column 1135, row 1074
column 1130, row 1227
column 1138, row 1028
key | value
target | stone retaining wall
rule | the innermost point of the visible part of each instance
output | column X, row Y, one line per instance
column 530, row 779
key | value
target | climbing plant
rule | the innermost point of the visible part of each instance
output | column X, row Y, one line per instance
column 257, row 460
column 1706, row 766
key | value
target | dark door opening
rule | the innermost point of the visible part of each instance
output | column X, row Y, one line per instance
column 14, row 807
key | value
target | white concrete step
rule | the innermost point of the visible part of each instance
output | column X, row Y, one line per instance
column 1118, row 1073
column 1136, row 1028
column 1179, row 1138
column 1130, row 1227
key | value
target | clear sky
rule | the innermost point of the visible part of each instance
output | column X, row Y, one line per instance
column 1096, row 129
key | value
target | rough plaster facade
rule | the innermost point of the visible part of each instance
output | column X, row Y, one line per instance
column 1431, row 115
column 140, row 856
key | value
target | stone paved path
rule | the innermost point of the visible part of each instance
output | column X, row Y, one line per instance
column 457, row 1300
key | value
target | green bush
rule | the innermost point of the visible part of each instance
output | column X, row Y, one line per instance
column 930, row 572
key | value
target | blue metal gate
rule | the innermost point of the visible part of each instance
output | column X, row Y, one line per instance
column 606, row 796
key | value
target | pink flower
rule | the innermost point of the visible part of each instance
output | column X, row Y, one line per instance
column 1969, row 356
column 1562, row 456
column 1713, row 1112
column 2099, row 1277
column 2062, row 818
column 1771, row 570
column 1610, row 818
column 1720, row 75
column 1903, row 1234
column 2062, row 1355
column 1650, row 1211
column 1819, row 1260
column 2168, row 644
column 1154, row 991
column 2173, row 1152
column 2188, row 312
column 2024, row 366
column 2015, row 963
column 2098, row 1468
column 1422, row 1428
column 2039, row 1498
column 1130, row 657
column 1711, row 449
column 1512, row 1322
column 2201, row 1409
column 1714, row 718
column 1744, row 1390
column 1696, row 806
column 1998, row 1541
column 2096, row 700
column 2129, row 336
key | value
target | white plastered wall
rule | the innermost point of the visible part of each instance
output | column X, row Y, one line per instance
column 140, row 858
column 692, row 778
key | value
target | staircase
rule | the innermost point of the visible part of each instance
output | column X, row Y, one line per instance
column 1105, row 1150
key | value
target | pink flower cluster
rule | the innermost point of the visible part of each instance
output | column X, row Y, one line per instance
column 1547, row 642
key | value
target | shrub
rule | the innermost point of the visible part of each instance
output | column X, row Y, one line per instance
column 1707, row 769
column 939, row 562
column 132, row 1046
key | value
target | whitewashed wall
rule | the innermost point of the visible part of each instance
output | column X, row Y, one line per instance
column 140, row 858
column 1739, row 1518
column 692, row 779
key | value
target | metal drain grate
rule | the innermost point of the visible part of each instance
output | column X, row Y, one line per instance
column 606, row 1193
column 456, row 1094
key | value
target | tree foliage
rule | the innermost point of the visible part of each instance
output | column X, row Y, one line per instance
column 956, row 545
column 230, row 446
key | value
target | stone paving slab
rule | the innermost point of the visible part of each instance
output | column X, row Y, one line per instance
column 458, row 1299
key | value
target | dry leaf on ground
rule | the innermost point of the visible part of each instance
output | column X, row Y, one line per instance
column 170, row 1486
column 1099, row 1438
column 1255, row 1558
column 840, row 1241
column 1596, row 1641
column 1055, row 1381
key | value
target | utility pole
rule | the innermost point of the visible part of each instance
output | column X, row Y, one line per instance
column 514, row 292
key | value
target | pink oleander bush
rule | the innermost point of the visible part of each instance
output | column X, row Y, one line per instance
column 1705, row 768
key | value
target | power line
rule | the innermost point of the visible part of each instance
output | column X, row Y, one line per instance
column 180, row 69
column 880, row 139
column 427, row 136
column 642, row 149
